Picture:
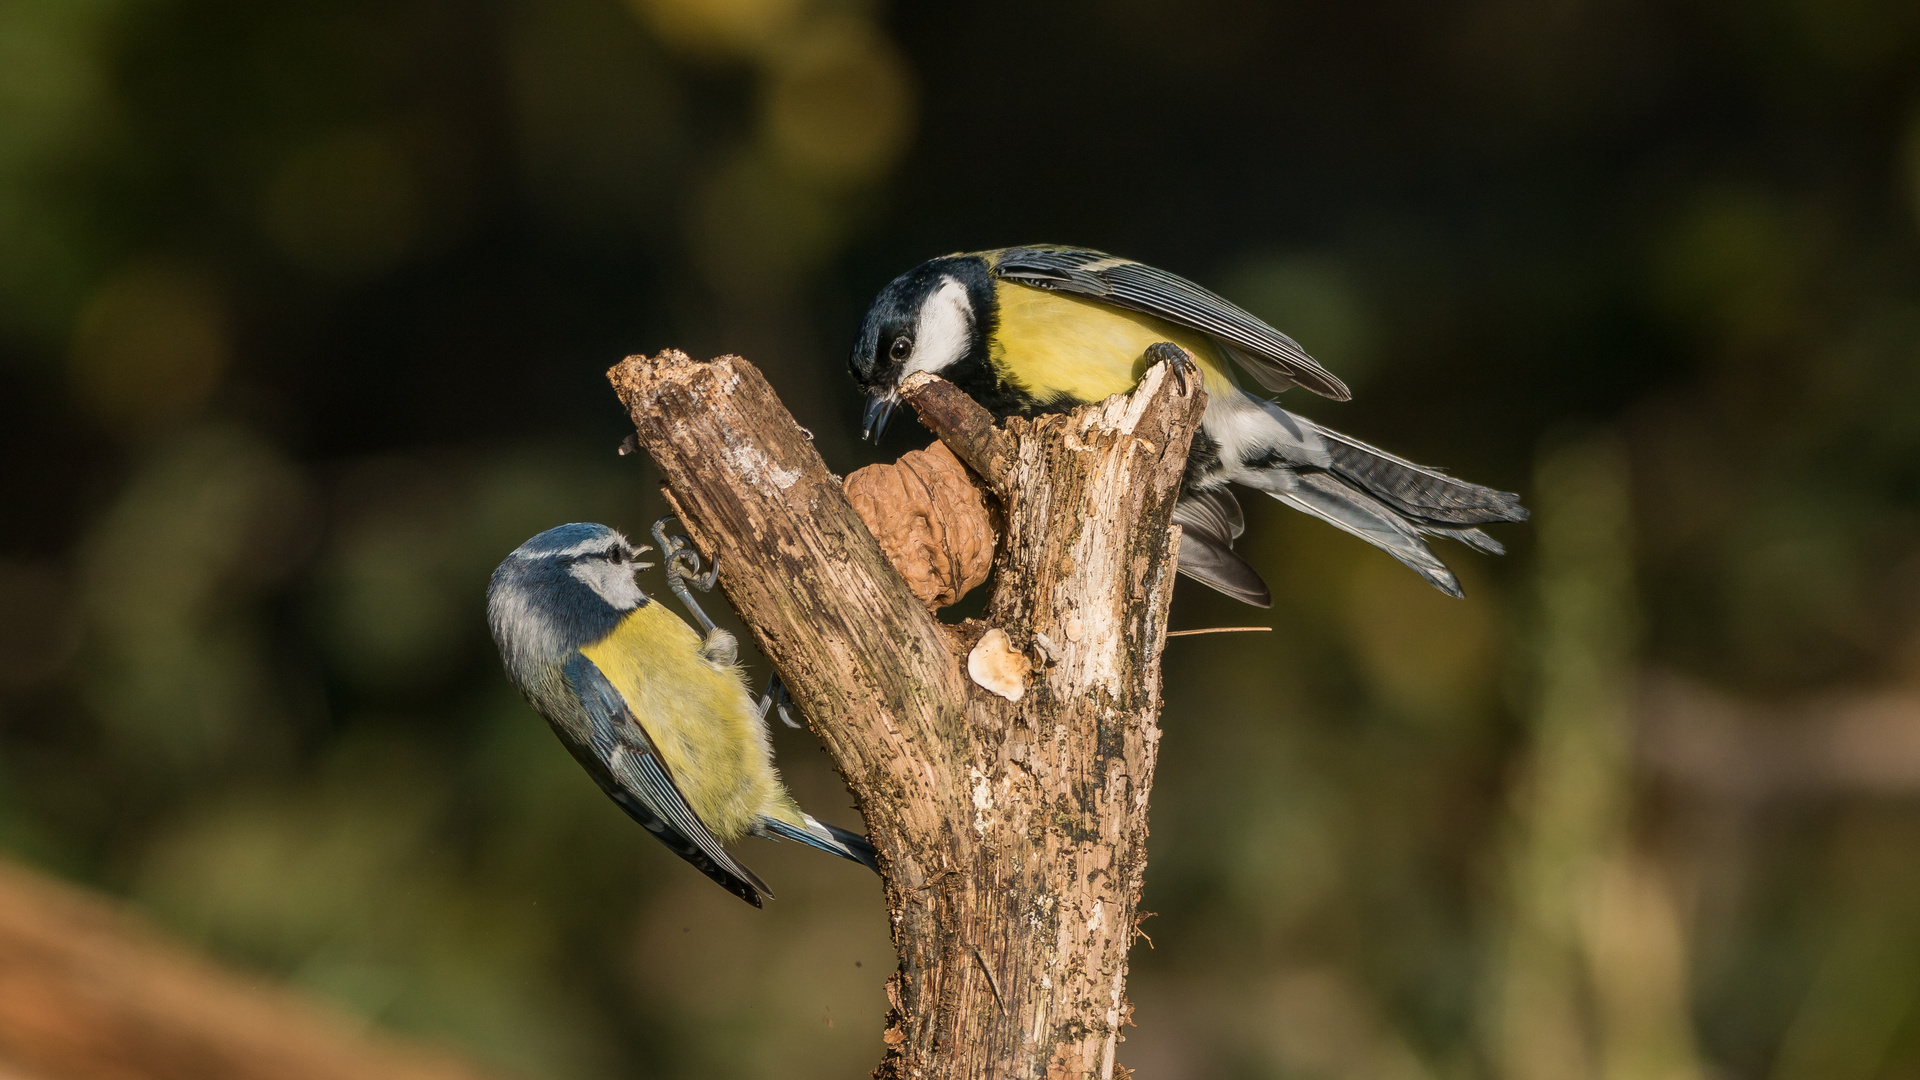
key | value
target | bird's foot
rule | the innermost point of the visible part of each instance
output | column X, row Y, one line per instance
column 1179, row 363
column 682, row 565
column 775, row 697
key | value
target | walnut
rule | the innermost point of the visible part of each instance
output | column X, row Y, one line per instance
column 932, row 519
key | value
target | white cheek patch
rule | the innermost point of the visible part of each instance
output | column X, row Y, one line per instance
column 614, row 584
column 943, row 330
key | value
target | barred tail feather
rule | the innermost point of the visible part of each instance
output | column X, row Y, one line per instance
column 1337, row 503
column 1421, row 492
column 1473, row 538
column 1387, row 501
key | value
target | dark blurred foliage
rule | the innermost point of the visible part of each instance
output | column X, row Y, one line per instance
column 304, row 314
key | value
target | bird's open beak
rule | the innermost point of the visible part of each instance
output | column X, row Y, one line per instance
column 879, row 411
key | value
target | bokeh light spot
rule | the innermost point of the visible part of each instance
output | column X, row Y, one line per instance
column 345, row 205
column 53, row 89
column 1730, row 260
column 719, row 28
column 839, row 105
column 151, row 345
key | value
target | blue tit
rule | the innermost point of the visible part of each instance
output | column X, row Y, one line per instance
column 1046, row 328
column 657, row 714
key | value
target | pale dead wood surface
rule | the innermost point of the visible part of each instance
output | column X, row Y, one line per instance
column 1012, row 833
column 90, row 992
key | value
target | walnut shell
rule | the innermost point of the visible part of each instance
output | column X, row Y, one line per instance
column 932, row 519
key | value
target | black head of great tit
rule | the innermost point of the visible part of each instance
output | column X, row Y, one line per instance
column 936, row 317
column 1048, row 328
column 657, row 714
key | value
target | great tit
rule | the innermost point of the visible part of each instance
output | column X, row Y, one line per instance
column 1046, row 328
column 658, row 715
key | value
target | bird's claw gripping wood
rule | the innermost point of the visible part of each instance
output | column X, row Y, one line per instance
column 775, row 697
column 1178, row 361
column 682, row 565
column 683, row 569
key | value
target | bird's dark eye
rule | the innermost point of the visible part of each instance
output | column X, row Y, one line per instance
column 901, row 348
column 616, row 556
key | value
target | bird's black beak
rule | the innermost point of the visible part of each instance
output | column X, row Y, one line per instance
column 879, row 411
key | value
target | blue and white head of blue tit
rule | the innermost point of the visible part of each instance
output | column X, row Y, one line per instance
column 658, row 714
column 1048, row 328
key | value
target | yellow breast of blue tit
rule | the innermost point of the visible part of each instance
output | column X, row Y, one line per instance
column 1056, row 346
column 698, row 714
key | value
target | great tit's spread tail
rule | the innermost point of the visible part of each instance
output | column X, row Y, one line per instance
column 1420, row 492
column 1387, row 501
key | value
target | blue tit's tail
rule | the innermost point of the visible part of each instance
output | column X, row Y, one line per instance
column 829, row 838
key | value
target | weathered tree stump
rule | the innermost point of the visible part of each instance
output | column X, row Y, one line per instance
column 1011, row 825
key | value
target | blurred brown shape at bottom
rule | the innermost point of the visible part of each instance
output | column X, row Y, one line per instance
column 932, row 519
column 1863, row 741
column 88, row 991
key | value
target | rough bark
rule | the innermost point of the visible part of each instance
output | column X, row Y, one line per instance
column 1012, row 832
column 90, row 992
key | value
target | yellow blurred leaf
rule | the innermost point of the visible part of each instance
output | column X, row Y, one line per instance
column 839, row 105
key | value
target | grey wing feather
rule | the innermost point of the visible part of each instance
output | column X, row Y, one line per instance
column 639, row 782
column 1271, row 357
column 1210, row 521
column 1264, row 371
column 1216, row 513
column 1337, row 503
column 1419, row 491
column 1220, row 569
column 1473, row 538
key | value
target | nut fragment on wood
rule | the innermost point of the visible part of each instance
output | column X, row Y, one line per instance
column 932, row 520
column 997, row 667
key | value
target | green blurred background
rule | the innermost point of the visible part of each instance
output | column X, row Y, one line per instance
column 304, row 314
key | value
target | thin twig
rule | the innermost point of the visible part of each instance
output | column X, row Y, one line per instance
column 988, row 972
column 1220, row 630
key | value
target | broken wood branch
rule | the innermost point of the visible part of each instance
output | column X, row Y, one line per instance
column 1011, row 823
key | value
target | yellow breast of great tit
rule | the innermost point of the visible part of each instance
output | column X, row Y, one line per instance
column 1058, row 347
column 698, row 715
